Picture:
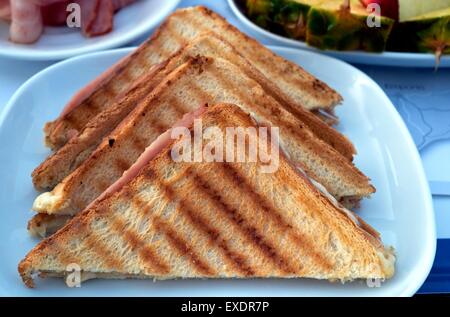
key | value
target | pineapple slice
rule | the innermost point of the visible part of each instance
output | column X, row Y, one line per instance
column 410, row 9
column 326, row 24
column 332, row 25
column 284, row 17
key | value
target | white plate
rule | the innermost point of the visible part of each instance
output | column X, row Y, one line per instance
column 359, row 57
column 58, row 43
column 401, row 209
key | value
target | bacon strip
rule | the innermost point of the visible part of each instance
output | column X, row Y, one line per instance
column 55, row 14
column 5, row 10
column 26, row 26
column 103, row 21
column 87, row 90
column 88, row 13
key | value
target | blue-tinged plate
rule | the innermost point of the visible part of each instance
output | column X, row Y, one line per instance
column 401, row 209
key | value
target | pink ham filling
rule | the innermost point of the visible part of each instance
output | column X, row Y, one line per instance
column 89, row 89
column 150, row 153
column 5, row 10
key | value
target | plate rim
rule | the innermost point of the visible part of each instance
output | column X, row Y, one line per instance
column 425, row 188
column 23, row 53
column 430, row 248
column 390, row 58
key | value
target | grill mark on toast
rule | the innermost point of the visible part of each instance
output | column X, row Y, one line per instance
column 177, row 106
column 204, row 97
column 139, row 144
column 101, row 186
column 263, row 204
column 56, row 248
column 91, row 107
column 71, row 122
column 234, row 258
column 275, row 113
column 144, row 250
column 125, row 76
column 183, row 247
column 105, row 255
column 175, row 240
column 122, row 164
column 247, row 230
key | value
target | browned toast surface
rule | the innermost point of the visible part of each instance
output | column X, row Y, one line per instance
column 73, row 153
column 182, row 27
column 213, row 220
column 200, row 81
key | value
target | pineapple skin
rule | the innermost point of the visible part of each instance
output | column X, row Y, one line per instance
column 284, row 17
column 343, row 31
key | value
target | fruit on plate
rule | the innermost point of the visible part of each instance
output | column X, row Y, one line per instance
column 406, row 25
column 341, row 25
column 326, row 24
column 409, row 9
column 285, row 17
column 403, row 10
column 429, row 32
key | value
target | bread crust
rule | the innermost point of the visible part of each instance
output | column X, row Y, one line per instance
column 322, row 162
column 306, row 220
column 302, row 87
column 53, row 170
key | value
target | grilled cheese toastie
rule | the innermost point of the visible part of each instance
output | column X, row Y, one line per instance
column 213, row 220
column 198, row 81
column 73, row 153
column 181, row 28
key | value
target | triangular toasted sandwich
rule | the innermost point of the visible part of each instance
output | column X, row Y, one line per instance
column 207, row 219
column 198, row 81
column 53, row 170
column 181, row 28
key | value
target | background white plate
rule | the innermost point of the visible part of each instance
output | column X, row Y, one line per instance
column 386, row 58
column 401, row 209
column 61, row 42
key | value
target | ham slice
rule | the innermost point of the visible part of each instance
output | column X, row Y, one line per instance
column 88, row 13
column 87, row 90
column 103, row 21
column 26, row 26
column 55, row 14
column 28, row 17
column 5, row 10
column 150, row 153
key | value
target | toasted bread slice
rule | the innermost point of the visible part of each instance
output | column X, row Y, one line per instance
column 200, row 81
column 182, row 27
column 43, row 225
column 213, row 220
column 73, row 153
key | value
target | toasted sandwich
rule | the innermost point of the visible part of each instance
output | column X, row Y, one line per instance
column 53, row 170
column 181, row 219
column 199, row 81
column 182, row 27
